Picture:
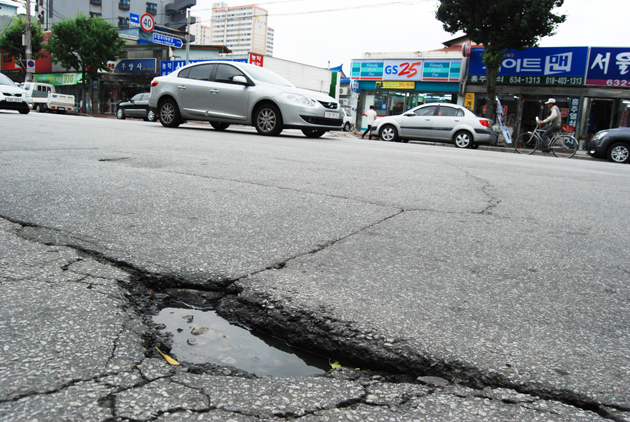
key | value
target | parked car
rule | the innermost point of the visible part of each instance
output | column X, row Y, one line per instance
column 437, row 122
column 46, row 98
column 612, row 144
column 347, row 120
column 137, row 106
column 225, row 93
column 12, row 97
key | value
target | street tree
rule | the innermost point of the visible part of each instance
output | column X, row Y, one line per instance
column 11, row 42
column 500, row 25
column 85, row 45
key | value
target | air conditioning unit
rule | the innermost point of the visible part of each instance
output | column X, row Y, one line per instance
column 343, row 90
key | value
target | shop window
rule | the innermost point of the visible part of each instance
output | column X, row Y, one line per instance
column 624, row 113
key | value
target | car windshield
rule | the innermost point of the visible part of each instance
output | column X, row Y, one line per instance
column 264, row 75
column 4, row 80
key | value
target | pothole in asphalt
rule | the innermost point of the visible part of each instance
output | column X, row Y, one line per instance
column 201, row 337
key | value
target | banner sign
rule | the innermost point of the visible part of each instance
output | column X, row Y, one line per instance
column 501, row 117
column 169, row 66
column 395, row 85
column 133, row 66
column 609, row 66
column 58, row 79
column 574, row 111
column 406, row 70
column 166, row 40
column 534, row 66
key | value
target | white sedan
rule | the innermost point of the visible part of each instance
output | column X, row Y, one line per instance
column 439, row 122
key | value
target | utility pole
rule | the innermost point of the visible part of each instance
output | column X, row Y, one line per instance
column 187, row 36
column 27, row 39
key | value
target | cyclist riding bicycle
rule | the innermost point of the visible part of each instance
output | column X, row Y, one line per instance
column 555, row 123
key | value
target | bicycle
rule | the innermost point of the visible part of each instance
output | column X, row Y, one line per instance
column 561, row 144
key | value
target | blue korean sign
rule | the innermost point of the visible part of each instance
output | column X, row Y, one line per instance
column 609, row 66
column 136, row 66
column 169, row 66
column 166, row 40
column 134, row 20
column 534, row 66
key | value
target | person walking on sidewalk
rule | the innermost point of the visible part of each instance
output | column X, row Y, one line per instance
column 371, row 116
column 554, row 120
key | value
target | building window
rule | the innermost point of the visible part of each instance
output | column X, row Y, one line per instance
column 95, row 15
column 152, row 8
column 123, row 4
column 123, row 22
column 96, row 2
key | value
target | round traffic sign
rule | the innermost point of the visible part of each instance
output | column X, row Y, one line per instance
column 30, row 63
column 147, row 23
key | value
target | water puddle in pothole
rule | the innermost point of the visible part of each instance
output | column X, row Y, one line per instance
column 204, row 337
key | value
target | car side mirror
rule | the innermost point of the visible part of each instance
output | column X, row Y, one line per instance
column 241, row 80
column 409, row 114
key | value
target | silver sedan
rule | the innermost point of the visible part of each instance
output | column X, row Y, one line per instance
column 439, row 122
column 225, row 93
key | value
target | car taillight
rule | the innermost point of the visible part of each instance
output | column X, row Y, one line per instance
column 154, row 83
column 483, row 122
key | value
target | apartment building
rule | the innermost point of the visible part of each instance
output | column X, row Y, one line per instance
column 243, row 29
column 202, row 33
column 167, row 13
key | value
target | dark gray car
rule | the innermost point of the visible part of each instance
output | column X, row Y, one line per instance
column 137, row 106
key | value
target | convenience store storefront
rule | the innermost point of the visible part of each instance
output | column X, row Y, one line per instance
column 397, row 85
column 590, row 84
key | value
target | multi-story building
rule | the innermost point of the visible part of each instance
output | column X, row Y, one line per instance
column 202, row 33
column 167, row 13
column 243, row 29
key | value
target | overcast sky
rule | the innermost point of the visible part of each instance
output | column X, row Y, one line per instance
column 317, row 32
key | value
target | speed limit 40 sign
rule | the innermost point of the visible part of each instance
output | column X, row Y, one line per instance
column 147, row 23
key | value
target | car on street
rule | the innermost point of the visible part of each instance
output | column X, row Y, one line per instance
column 437, row 122
column 347, row 120
column 226, row 93
column 611, row 144
column 137, row 106
column 12, row 97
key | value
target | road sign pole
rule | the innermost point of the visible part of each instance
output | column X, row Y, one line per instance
column 188, row 38
column 27, row 38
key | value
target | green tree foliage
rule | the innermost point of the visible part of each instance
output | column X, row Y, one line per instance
column 85, row 45
column 500, row 25
column 11, row 41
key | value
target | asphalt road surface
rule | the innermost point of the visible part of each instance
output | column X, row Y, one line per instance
column 505, row 276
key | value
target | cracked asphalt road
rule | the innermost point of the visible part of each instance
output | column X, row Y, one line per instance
column 505, row 276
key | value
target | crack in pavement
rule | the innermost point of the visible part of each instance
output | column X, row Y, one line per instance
column 393, row 356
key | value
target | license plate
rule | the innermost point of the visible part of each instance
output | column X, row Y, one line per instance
column 331, row 115
column 14, row 99
column 61, row 108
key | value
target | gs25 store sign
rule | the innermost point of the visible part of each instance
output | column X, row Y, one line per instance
column 407, row 70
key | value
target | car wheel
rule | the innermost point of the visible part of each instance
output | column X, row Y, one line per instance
column 313, row 133
column 268, row 120
column 40, row 108
column 463, row 139
column 619, row 153
column 347, row 127
column 120, row 113
column 219, row 125
column 151, row 116
column 169, row 113
column 388, row 133
column 25, row 110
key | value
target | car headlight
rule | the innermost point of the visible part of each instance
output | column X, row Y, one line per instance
column 300, row 99
column 599, row 135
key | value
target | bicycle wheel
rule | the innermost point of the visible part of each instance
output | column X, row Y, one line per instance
column 564, row 146
column 526, row 143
